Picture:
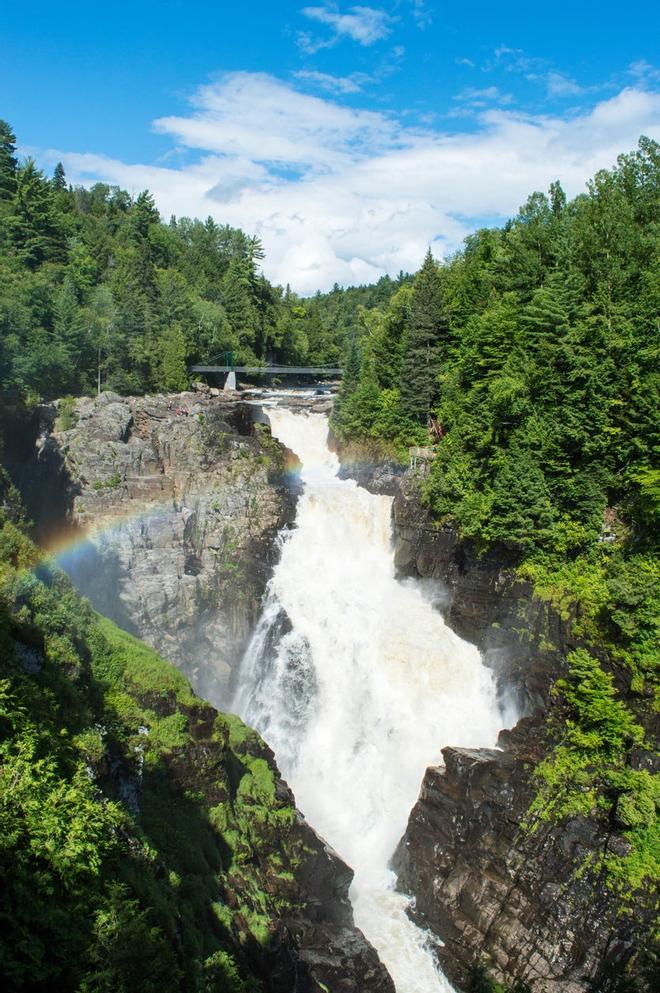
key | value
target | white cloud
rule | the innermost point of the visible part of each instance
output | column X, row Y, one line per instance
column 559, row 85
column 482, row 97
column 334, row 84
column 365, row 25
column 422, row 14
column 258, row 117
column 343, row 194
column 644, row 71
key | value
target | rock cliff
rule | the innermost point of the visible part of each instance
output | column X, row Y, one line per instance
column 166, row 511
column 486, row 884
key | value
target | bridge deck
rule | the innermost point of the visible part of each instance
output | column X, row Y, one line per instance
column 279, row 370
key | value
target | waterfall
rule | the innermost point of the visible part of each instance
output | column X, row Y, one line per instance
column 355, row 681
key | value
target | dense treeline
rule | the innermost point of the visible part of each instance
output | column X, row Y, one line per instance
column 529, row 361
column 96, row 291
column 536, row 349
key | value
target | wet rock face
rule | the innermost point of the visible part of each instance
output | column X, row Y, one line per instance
column 181, row 498
column 489, row 887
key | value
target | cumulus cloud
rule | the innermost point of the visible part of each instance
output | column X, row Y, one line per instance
column 365, row 25
column 340, row 194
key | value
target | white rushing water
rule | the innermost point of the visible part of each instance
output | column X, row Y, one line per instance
column 356, row 683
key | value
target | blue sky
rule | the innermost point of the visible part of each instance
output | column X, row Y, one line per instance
column 348, row 136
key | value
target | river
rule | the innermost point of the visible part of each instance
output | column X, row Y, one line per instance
column 356, row 683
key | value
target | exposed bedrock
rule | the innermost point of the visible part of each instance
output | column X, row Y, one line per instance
column 491, row 888
column 486, row 884
column 483, row 883
column 180, row 498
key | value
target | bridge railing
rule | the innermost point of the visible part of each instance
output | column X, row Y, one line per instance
column 271, row 370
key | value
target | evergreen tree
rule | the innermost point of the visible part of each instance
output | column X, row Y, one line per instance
column 352, row 365
column 425, row 344
column 237, row 302
column 59, row 177
column 388, row 339
column 557, row 198
column 8, row 163
column 172, row 348
column 33, row 227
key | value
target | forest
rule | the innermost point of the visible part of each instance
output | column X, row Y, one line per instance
column 527, row 364
column 96, row 292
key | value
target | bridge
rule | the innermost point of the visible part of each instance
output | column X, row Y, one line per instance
column 271, row 370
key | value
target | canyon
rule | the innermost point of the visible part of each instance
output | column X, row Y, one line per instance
column 171, row 514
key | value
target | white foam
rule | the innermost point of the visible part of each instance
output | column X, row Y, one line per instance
column 363, row 691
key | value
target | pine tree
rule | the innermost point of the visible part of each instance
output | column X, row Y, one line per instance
column 172, row 347
column 557, row 198
column 68, row 325
column 425, row 342
column 144, row 214
column 351, row 372
column 388, row 339
column 237, row 302
column 33, row 226
column 8, row 164
column 59, row 177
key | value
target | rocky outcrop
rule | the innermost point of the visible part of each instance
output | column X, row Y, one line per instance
column 485, row 882
column 492, row 886
column 288, row 913
column 165, row 511
column 368, row 465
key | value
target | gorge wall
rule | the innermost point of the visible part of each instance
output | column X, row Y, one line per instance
column 485, row 884
column 165, row 512
column 177, row 502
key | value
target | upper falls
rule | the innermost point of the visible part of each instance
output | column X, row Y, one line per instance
column 356, row 682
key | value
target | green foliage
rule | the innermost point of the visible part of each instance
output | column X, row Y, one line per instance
column 67, row 417
column 424, row 344
column 96, row 292
column 480, row 981
column 535, row 348
column 128, row 808
column 174, row 374
column 589, row 769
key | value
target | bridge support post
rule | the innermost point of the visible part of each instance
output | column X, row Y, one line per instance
column 230, row 381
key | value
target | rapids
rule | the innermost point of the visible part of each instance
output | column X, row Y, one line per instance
column 355, row 681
